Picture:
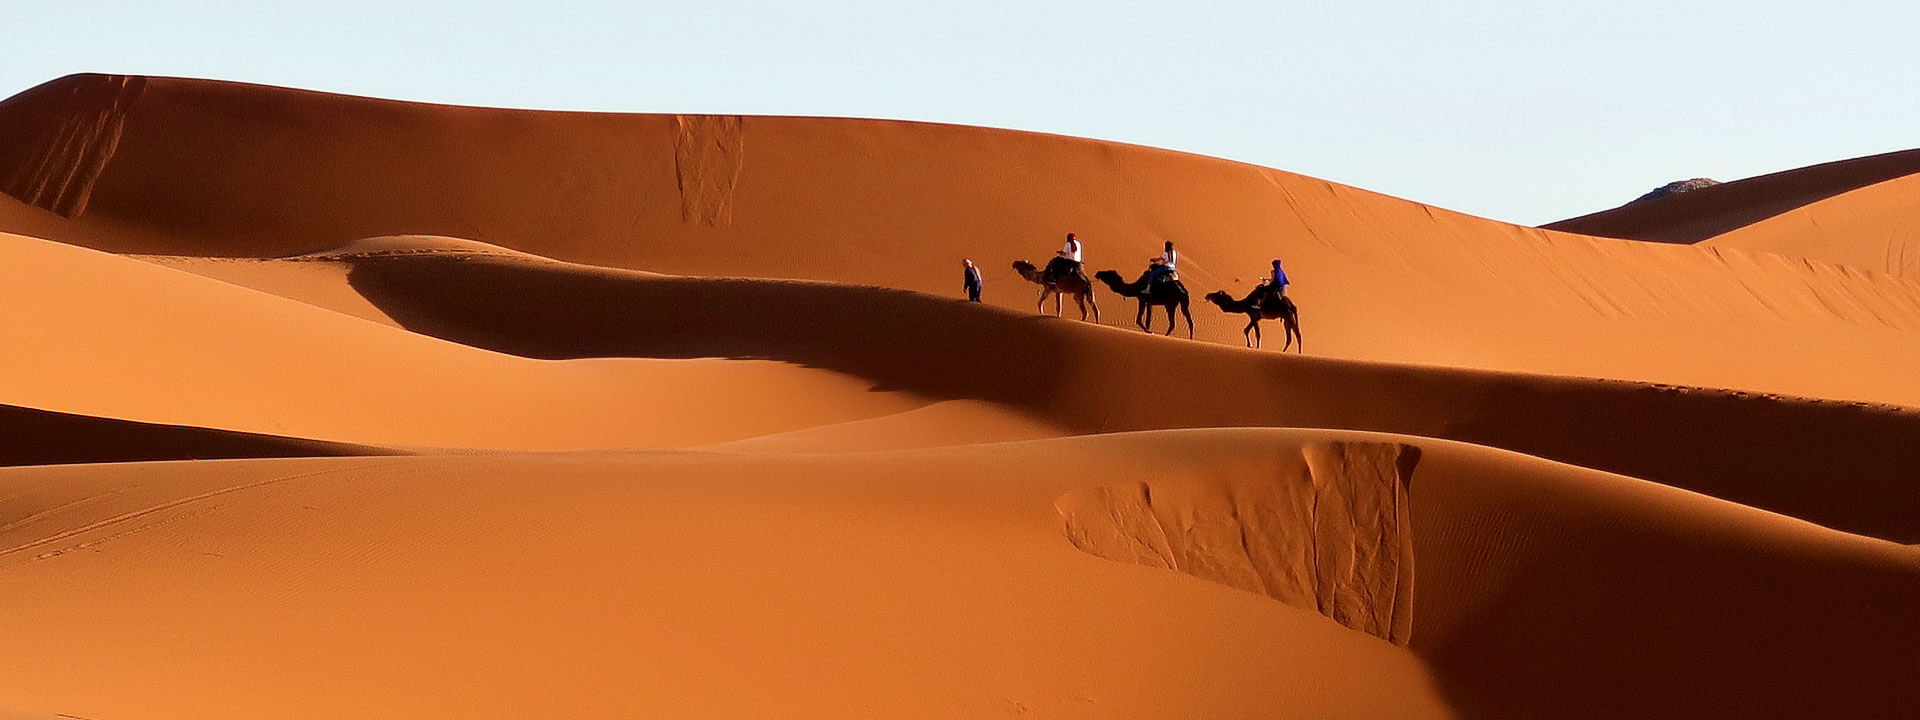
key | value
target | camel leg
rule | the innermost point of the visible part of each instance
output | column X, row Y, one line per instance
column 1059, row 298
column 1170, row 323
column 1293, row 326
column 1094, row 303
column 1143, row 311
column 1253, row 326
column 1186, row 312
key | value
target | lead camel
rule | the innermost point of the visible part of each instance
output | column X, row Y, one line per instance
column 1267, row 308
column 1067, row 284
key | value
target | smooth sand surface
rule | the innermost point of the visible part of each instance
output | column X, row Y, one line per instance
column 1871, row 229
column 460, row 412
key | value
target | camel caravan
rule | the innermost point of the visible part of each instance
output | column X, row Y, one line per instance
column 1159, row 287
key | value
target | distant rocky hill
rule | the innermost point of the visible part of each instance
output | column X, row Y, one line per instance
column 1675, row 188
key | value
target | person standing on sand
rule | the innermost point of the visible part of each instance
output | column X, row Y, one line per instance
column 1066, row 261
column 972, row 282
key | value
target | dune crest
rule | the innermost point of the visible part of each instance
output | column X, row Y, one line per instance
column 1328, row 534
column 394, row 245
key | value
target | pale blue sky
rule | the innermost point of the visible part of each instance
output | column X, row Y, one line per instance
column 1522, row 111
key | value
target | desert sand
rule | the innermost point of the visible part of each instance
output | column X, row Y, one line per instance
column 326, row 406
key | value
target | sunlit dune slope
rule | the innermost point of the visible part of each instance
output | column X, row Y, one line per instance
column 1875, row 228
column 94, row 334
column 1699, row 214
column 204, row 168
column 714, row 585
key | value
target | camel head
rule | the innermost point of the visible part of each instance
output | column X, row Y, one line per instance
column 1219, row 297
column 1026, row 270
column 1109, row 277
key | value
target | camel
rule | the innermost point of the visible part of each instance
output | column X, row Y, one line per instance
column 1169, row 294
column 1285, row 310
column 1075, row 285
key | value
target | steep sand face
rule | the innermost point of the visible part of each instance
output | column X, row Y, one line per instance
column 1870, row 229
column 56, row 153
column 1325, row 531
column 225, row 169
column 1700, row 214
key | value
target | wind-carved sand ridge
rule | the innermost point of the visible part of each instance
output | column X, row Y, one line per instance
column 708, row 152
column 1329, row 534
column 57, row 170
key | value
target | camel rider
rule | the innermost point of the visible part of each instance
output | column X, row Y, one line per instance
column 1165, row 266
column 1277, row 283
column 1066, row 261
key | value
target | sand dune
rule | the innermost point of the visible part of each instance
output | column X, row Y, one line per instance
column 672, row 415
column 1759, row 450
column 95, row 334
column 1700, row 214
column 203, row 168
column 963, row 580
column 1869, row 229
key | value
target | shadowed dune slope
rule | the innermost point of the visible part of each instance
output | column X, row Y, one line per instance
column 40, row 437
column 1539, row 590
column 95, row 334
column 1832, row 463
column 1875, row 229
column 1545, row 591
column 1696, row 215
column 207, row 168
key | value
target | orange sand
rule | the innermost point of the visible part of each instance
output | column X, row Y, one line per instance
column 679, row 416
